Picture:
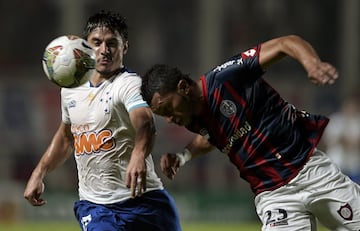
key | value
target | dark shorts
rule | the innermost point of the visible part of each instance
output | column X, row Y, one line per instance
column 153, row 211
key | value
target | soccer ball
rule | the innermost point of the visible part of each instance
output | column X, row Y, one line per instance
column 68, row 61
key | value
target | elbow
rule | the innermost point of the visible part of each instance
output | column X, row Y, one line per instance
column 293, row 37
column 149, row 125
column 290, row 38
column 152, row 128
column 290, row 41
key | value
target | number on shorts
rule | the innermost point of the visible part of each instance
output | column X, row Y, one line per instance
column 276, row 216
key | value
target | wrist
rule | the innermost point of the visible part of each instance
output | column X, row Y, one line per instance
column 184, row 156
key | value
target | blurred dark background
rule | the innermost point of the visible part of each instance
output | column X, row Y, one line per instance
column 193, row 35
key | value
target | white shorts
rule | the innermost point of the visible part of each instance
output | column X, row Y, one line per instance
column 319, row 191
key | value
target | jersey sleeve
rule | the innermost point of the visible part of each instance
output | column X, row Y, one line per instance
column 130, row 93
column 64, row 110
column 241, row 68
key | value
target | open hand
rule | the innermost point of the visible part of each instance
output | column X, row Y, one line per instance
column 136, row 176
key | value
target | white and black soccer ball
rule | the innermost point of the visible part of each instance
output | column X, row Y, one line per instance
column 68, row 61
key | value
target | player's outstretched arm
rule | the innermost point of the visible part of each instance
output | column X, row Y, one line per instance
column 58, row 151
column 170, row 163
column 319, row 72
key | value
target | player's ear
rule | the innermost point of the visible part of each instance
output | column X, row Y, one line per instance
column 183, row 87
column 126, row 47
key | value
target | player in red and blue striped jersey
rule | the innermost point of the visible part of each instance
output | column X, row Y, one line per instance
column 272, row 144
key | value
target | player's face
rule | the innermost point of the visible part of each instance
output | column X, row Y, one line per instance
column 176, row 108
column 109, row 49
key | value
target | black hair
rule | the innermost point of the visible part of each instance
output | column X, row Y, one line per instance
column 113, row 21
column 163, row 79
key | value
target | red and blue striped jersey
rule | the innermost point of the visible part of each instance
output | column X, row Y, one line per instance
column 266, row 137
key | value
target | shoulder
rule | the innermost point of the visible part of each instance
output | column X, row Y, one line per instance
column 127, row 77
column 126, row 86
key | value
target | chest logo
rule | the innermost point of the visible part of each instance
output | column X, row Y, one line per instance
column 93, row 142
column 228, row 108
column 71, row 104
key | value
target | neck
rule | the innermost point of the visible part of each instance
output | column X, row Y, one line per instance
column 100, row 77
column 197, row 96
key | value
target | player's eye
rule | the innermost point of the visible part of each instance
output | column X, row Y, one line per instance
column 112, row 44
column 97, row 43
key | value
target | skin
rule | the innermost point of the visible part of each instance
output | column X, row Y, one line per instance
column 178, row 107
column 110, row 49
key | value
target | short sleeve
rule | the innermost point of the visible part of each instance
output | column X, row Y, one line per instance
column 241, row 68
column 129, row 91
column 64, row 110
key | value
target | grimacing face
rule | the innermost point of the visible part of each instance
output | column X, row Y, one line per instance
column 174, row 107
column 109, row 49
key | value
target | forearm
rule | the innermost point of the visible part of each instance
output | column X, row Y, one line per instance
column 60, row 148
column 197, row 147
column 300, row 50
column 143, row 124
column 292, row 46
column 144, row 141
column 170, row 162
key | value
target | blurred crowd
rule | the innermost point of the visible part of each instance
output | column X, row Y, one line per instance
column 342, row 138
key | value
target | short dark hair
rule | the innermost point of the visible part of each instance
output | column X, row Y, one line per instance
column 113, row 21
column 163, row 79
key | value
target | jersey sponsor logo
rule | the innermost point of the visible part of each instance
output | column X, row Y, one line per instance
column 228, row 108
column 92, row 142
column 346, row 212
column 227, row 64
column 242, row 131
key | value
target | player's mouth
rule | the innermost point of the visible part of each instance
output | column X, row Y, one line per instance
column 104, row 60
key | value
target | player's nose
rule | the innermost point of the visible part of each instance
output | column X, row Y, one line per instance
column 104, row 49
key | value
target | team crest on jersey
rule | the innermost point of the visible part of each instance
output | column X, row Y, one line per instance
column 228, row 108
column 346, row 212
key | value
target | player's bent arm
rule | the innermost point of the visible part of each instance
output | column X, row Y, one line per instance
column 290, row 45
column 199, row 146
column 60, row 148
column 297, row 48
column 170, row 163
column 143, row 123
